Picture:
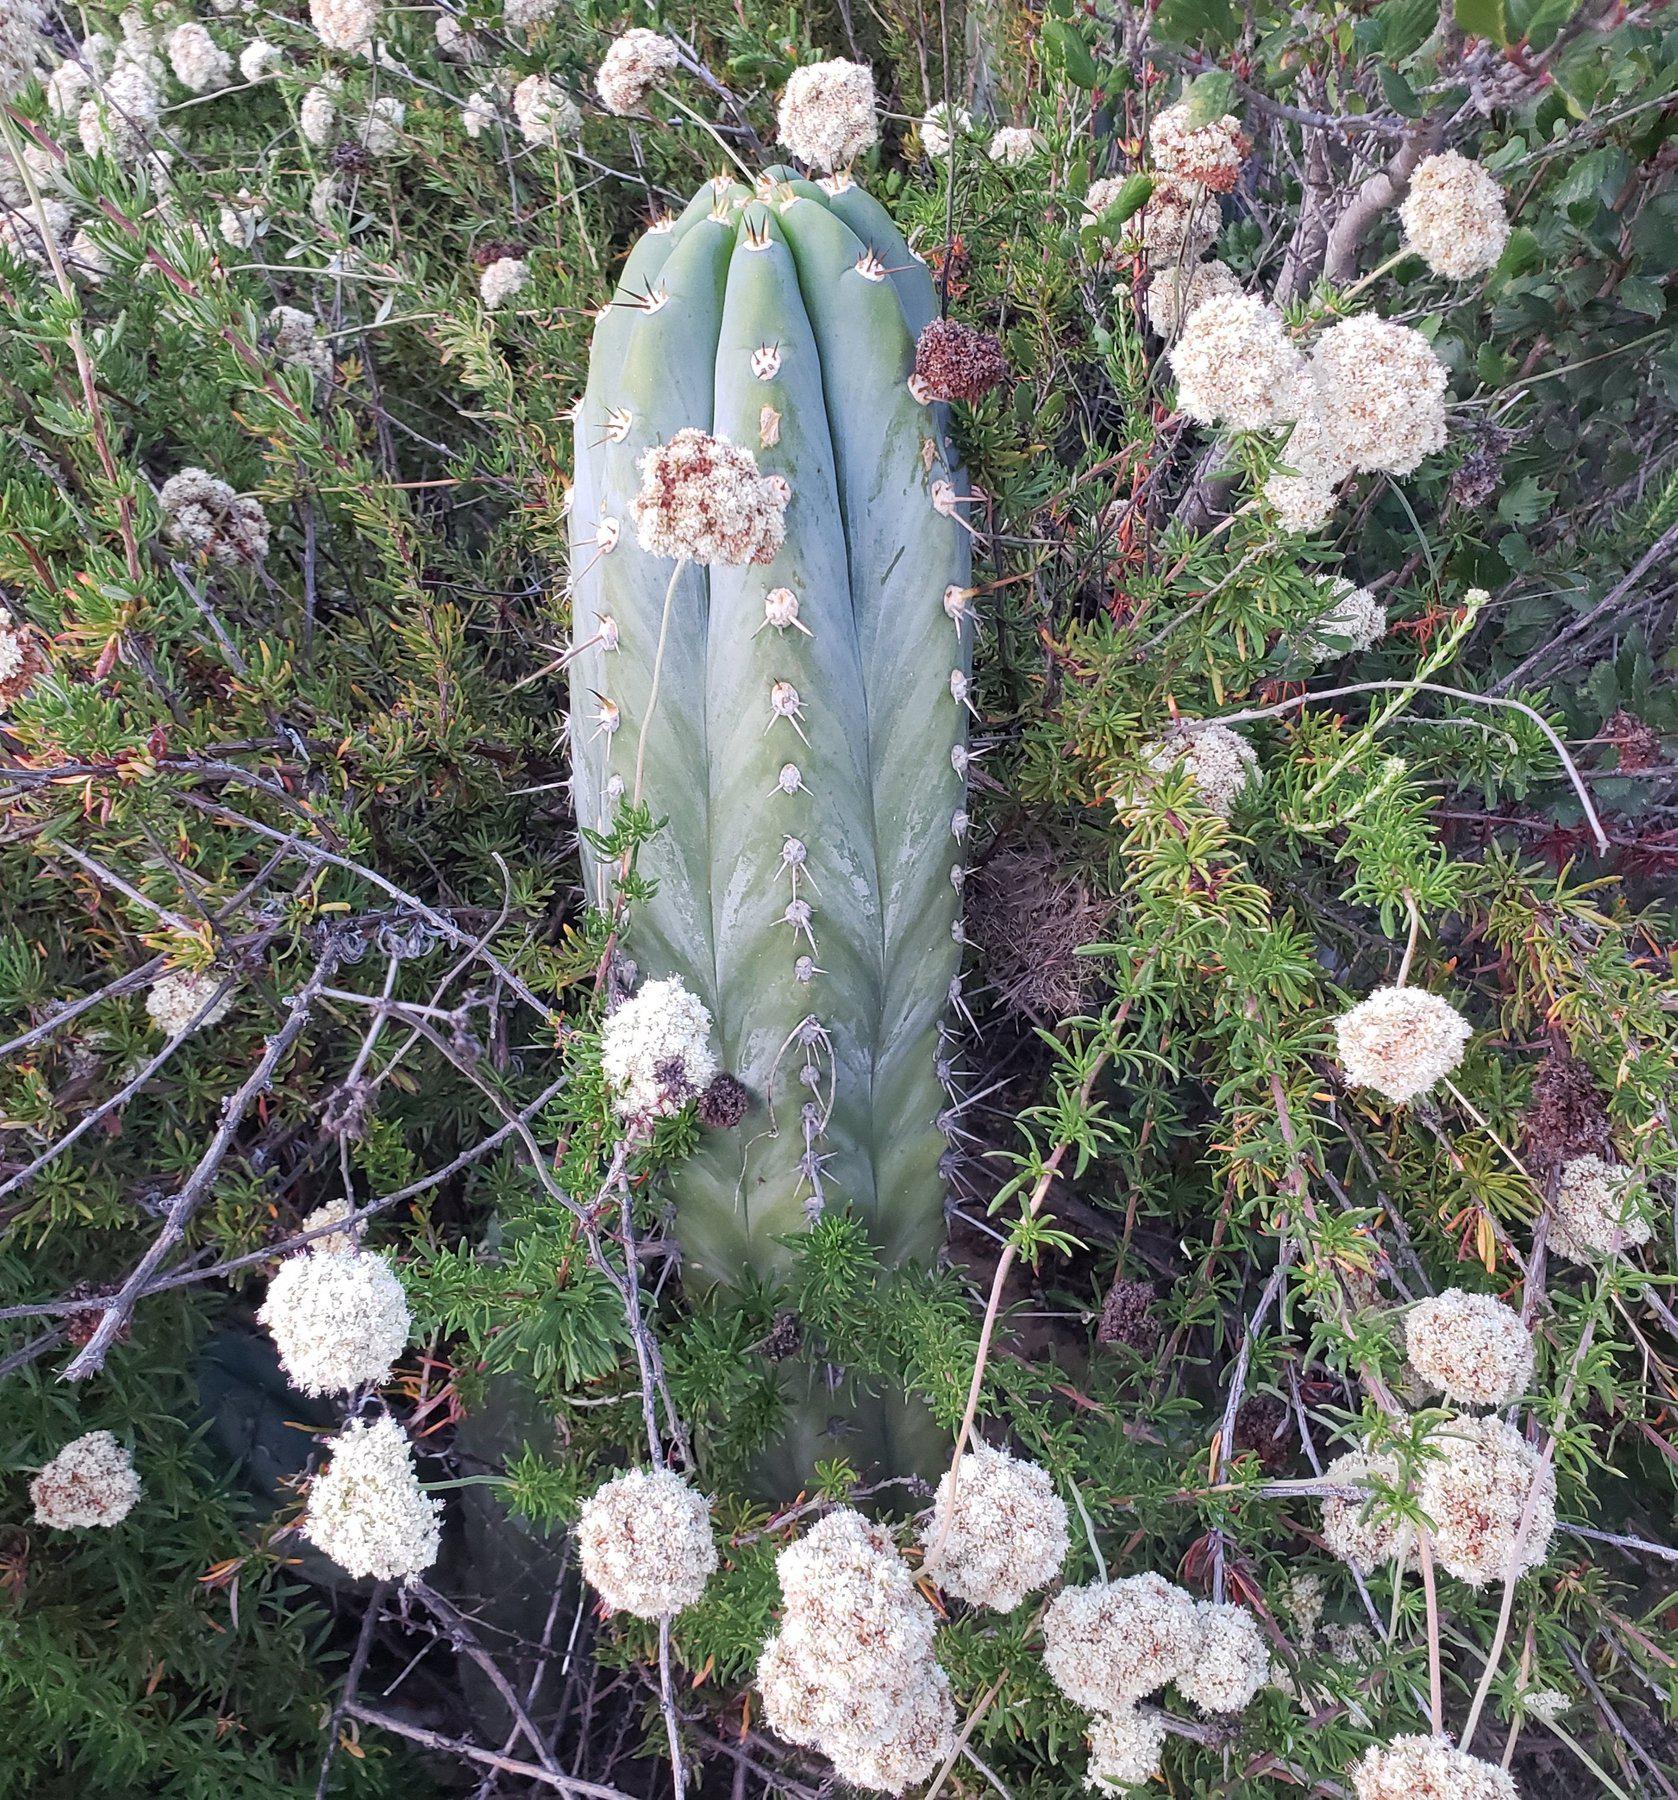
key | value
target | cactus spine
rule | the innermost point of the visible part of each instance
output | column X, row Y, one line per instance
column 810, row 768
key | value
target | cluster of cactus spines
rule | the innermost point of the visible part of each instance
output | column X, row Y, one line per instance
column 807, row 752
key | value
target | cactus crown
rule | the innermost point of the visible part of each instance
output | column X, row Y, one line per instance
column 807, row 746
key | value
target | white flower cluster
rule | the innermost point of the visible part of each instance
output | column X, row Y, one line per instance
column 116, row 91
column 25, row 231
column 546, row 114
column 21, row 659
column 1596, row 1212
column 1362, row 1531
column 1175, row 292
column 1218, row 761
column 1380, row 393
column 1471, row 1348
column 503, row 280
column 632, row 66
column 317, row 113
column 259, row 58
column 1355, row 620
column 942, row 125
column 1401, row 1041
column 1126, row 1749
column 199, row 62
column 1209, row 155
column 851, row 1672
column 298, row 342
column 241, row 219
column 338, row 1318
column 1177, row 221
column 1006, row 1535
column 655, row 1050
column 1013, row 145
column 1475, row 1491
column 1113, row 1643
column 90, row 1482
column 344, row 24
column 174, row 1000
column 380, row 130
column 521, row 15
column 1236, row 365
column 22, row 44
column 203, row 514
column 333, row 1213
column 1309, row 469
column 481, row 111
column 366, row 1508
column 704, row 498
column 644, row 1540
column 1454, row 217
column 1230, row 1662
column 1428, row 1768
column 826, row 117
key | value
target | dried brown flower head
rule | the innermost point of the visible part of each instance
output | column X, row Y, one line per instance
column 958, row 362
column 723, row 1104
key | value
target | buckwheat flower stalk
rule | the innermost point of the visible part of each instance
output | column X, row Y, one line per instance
column 1454, row 216
column 1380, row 392
column 1401, row 1042
column 1118, row 1641
column 174, row 1000
column 199, row 62
column 205, row 515
column 1355, row 621
column 644, row 1541
column 1178, row 221
column 338, row 1318
column 704, row 500
column 633, row 65
column 1005, row 1535
column 298, row 342
column 23, row 44
column 259, row 58
column 21, row 659
column 90, row 1484
column 1236, row 365
column 1596, row 1213
column 1428, row 1768
column 1209, row 155
column 655, row 1051
column 366, row 1508
column 1127, row 1747
column 827, row 113
column 1476, row 1490
column 1230, row 1662
column 1472, row 1348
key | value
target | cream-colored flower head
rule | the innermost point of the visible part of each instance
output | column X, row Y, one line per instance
column 914, row 1748
column 705, row 499
column 1381, row 393
column 1475, row 1488
column 1013, row 145
column 23, row 44
column 344, row 24
column 1354, row 621
column 1401, row 1041
column 521, row 15
column 241, row 219
column 366, row 1508
column 1174, row 292
column 1308, row 470
column 338, row 1318
column 259, row 58
column 546, row 114
column 340, row 1243
column 827, row 115
column 1428, row 1768
column 201, row 513
column 1473, row 1349
column 503, row 280
column 655, row 1050
column 1454, row 216
column 1236, row 365
column 1008, row 1533
column 942, row 125
column 380, row 130
column 1597, row 1211
column 90, row 1482
column 633, row 65
column 644, row 1540
column 67, row 86
column 1231, row 1660
column 317, row 112
column 298, row 343
column 1118, row 1641
column 1362, row 1531
column 1209, row 155
column 20, row 229
column 1178, row 221
column 480, row 111
column 1126, row 1749
column 173, row 1000
column 1218, row 761
column 21, row 658
column 199, row 62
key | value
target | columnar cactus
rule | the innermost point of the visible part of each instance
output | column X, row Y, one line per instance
column 807, row 747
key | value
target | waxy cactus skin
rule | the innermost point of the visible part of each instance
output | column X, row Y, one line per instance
column 808, row 748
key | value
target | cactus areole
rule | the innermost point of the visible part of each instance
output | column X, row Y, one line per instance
column 807, row 747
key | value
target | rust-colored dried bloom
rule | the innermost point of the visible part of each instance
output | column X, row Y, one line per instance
column 90, row 1482
column 1127, row 1316
column 644, row 1541
column 1597, row 1212
column 1209, row 155
column 1401, row 1041
column 1428, row 1768
column 958, row 362
column 1476, row 1489
column 1126, row 1749
column 827, row 114
column 1007, row 1534
column 633, row 65
column 724, row 1103
column 1565, row 1117
column 1637, row 741
column 1454, row 216
column 1472, row 1348
column 1362, row 1531
column 704, row 499
column 1118, row 1641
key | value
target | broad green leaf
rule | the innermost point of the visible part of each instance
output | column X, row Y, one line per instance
column 1483, row 18
column 1208, row 97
